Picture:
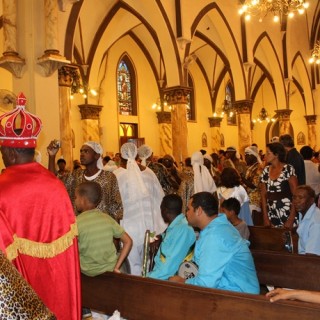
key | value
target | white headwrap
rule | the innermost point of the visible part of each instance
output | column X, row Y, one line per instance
column 97, row 148
column 144, row 153
column 203, row 180
column 110, row 166
column 254, row 151
column 136, row 186
column 233, row 149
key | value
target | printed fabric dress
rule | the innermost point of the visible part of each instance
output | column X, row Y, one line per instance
column 279, row 195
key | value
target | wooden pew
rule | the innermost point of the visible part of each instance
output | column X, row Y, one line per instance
column 287, row 270
column 273, row 239
column 143, row 298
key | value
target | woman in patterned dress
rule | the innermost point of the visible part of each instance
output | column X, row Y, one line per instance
column 278, row 183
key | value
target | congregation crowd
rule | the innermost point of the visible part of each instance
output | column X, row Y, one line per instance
column 93, row 219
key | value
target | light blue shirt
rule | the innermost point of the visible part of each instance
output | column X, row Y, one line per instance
column 224, row 259
column 177, row 240
column 309, row 231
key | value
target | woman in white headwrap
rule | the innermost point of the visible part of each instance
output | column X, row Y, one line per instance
column 197, row 180
column 203, row 180
column 168, row 183
column 141, row 195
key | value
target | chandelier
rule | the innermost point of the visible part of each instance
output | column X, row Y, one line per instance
column 277, row 8
column 84, row 90
column 263, row 116
column 160, row 105
column 315, row 55
column 226, row 109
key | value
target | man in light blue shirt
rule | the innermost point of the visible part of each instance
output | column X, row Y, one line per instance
column 178, row 238
column 309, row 220
column 223, row 257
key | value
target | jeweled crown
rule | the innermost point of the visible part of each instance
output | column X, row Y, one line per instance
column 19, row 128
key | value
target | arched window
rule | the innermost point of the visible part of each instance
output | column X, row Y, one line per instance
column 126, row 88
column 191, row 113
column 229, row 98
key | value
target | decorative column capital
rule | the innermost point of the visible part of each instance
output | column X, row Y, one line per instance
column 90, row 111
column 214, row 122
column 68, row 75
column 12, row 62
column 164, row 117
column 243, row 106
column 283, row 114
column 177, row 95
column 50, row 61
column 311, row 119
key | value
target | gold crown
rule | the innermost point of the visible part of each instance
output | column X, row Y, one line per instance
column 19, row 128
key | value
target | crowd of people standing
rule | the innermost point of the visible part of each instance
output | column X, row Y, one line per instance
column 98, row 214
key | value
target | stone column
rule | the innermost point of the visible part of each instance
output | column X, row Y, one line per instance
column 66, row 77
column 165, row 130
column 312, row 132
column 90, row 118
column 283, row 116
column 215, row 123
column 11, row 60
column 177, row 99
column 51, row 60
column 243, row 110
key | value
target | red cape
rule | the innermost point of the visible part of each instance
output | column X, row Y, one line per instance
column 38, row 234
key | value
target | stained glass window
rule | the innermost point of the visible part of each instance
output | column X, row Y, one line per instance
column 125, row 86
column 190, row 106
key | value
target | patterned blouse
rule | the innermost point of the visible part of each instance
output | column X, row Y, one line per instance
column 111, row 199
column 278, row 195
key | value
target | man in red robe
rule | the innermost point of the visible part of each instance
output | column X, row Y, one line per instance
column 38, row 229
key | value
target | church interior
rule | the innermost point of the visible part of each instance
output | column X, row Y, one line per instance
column 177, row 75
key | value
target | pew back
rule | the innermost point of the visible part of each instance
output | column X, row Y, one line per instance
column 287, row 270
column 143, row 298
column 273, row 239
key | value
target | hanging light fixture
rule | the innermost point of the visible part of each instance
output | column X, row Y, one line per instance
column 315, row 55
column 277, row 8
column 159, row 105
column 263, row 114
column 83, row 89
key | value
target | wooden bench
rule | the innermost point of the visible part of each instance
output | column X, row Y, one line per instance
column 273, row 239
column 287, row 270
column 144, row 298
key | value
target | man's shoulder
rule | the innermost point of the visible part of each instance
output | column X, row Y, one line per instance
column 316, row 214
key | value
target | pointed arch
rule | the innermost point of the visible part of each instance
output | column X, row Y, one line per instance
column 224, row 44
column 126, row 87
column 302, row 82
column 264, row 51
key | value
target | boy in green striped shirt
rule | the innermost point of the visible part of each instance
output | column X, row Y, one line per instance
column 97, row 231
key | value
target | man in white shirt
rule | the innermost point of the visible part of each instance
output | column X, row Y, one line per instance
column 309, row 220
